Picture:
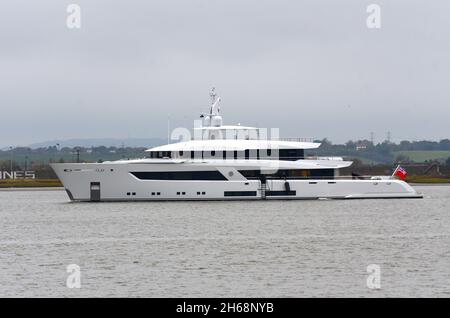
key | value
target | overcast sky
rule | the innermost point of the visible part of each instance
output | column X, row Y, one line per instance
column 311, row 68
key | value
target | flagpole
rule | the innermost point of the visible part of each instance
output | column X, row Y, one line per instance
column 393, row 174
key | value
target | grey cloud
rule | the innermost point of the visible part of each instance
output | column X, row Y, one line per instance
column 311, row 68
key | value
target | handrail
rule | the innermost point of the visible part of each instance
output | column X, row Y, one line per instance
column 296, row 139
column 272, row 157
column 327, row 178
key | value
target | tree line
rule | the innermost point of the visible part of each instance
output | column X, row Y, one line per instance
column 384, row 152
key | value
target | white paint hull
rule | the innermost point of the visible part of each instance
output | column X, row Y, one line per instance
column 117, row 184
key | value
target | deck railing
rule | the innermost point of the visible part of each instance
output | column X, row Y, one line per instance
column 295, row 139
column 325, row 178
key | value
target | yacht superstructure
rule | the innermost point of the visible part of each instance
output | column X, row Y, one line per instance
column 225, row 162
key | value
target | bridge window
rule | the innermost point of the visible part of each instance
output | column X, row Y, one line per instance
column 291, row 154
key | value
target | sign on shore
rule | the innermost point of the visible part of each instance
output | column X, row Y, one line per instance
column 17, row 175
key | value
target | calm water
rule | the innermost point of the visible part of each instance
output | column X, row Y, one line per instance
column 255, row 249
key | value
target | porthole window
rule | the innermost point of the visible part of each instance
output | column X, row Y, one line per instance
column 181, row 152
column 230, row 174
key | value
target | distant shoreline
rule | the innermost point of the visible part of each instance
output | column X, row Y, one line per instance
column 12, row 189
column 30, row 183
column 55, row 184
column 428, row 184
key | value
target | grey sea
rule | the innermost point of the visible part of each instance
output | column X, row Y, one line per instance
column 317, row 248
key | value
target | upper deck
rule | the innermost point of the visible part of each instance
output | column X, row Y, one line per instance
column 213, row 136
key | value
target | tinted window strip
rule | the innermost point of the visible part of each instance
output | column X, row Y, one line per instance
column 179, row 175
column 278, row 193
column 240, row 193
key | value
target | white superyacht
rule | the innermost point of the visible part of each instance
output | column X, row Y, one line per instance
column 225, row 163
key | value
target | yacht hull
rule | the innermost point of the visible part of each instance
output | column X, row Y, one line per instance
column 114, row 182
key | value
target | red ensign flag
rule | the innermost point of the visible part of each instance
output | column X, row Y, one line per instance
column 401, row 173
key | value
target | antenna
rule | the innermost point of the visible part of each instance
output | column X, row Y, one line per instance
column 213, row 118
column 213, row 95
column 213, row 99
column 168, row 130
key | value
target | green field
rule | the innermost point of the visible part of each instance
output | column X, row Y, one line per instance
column 30, row 183
column 38, row 183
column 423, row 155
column 426, row 179
column 365, row 161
